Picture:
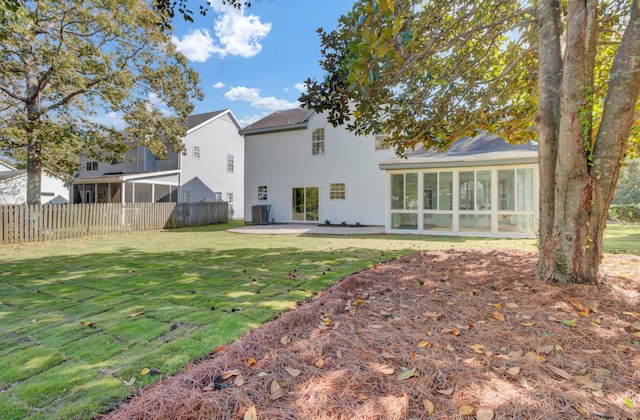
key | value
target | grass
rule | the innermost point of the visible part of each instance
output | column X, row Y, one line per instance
column 79, row 318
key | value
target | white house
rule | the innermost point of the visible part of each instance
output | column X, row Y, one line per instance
column 306, row 170
column 302, row 169
column 13, row 187
column 210, row 169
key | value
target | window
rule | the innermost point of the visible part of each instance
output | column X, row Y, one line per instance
column 317, row 141
column 438, row 201
column 157, row 158
column 92, row 165
column 196, row 152
column 185, row 196
column 404, row 201
column 381, row 142
column 262, row 192
column 230, row 198
column 337, row 192
column 229, row 163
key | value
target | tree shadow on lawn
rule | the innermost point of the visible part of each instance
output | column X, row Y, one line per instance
column 435, row 334
column 79, row 327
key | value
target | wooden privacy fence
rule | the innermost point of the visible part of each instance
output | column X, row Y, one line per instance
column 38, row 223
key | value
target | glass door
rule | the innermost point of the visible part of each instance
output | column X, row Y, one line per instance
column 305, row 204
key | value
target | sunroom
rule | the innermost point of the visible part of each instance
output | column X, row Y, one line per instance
column 481, row 186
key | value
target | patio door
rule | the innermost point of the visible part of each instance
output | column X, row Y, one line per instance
column 304, row 204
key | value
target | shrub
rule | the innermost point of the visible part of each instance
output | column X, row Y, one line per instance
column 625, row 212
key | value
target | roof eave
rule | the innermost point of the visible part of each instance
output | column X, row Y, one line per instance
column 298, row 126
column 458, row 163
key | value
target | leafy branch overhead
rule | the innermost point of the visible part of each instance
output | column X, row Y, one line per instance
column 432, row 72
column 67, row 61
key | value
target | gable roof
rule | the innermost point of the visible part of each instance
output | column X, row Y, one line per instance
column 483, row 149
column 196, row 121
column 290, row 119
column 9, row 175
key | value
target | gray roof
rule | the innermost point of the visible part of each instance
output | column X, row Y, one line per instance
column 197, row 119
column 483, row 149
column 7, row 175
column 290, row 119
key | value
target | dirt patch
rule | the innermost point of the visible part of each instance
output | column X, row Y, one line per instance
column 478, row 331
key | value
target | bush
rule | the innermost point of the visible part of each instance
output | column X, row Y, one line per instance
column 625, row 212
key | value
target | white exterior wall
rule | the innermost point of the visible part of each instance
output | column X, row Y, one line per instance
column 208, row 174
column 53, row 190
column 283, row 160
column 14, row 191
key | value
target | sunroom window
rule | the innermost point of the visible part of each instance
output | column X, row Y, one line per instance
column 404, row 201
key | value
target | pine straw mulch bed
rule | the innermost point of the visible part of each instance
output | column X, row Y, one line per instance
column 485, row 338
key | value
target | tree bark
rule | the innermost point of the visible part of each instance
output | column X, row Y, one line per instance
column 585, row 169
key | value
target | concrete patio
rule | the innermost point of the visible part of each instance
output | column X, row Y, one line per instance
column 300, row 229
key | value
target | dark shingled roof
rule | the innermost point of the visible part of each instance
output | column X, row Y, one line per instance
column 6, row 175
column 197, row 119
column 279, row 121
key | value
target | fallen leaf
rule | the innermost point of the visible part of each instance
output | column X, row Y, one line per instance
column 129, row 382
column 239, row 381
column 465, row 410
column 545, row 349
column 580, row 409
column 293, row 372
column 528, row 324
column 426, row 344
column 429, row 406
column 275, row 391
column 339, row 354
column 598, row 393
column 387, row 370
column 285, row 339
column 534, row 357
column 363, row 397
column 498, row 316
column 144, row 371
column 484, row 413
column 251, row 413
column 569, row 322
column 445, row 391
column 262, row 374
column 496, row 305
column 84, row 324
column 478, row 348
column 453, row 331
column 514, row 355
column 109, row 371
column 136, row 314
column 229, row 373
column 320, row 363
column 251, row 362
column 562, row 373
column 628, row 402
column 33, row 321
column 220, row 349
column 434, row 315
column 406, row 374
column 511, row 305
column 513, row 371
column 636, row 325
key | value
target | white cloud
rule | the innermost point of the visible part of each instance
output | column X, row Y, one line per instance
column 252, row 95
column 247, row 121
column 218, row 85
column 235, row 34
column 302, row 87
column 111, row 119
column 197, row 45
column 238, row 34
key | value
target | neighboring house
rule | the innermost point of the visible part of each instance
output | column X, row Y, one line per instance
column 302, row 169
column 306, row 170
column 13, row 187
column 210, row 169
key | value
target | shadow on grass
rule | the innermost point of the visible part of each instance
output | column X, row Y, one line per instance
column 87, row 324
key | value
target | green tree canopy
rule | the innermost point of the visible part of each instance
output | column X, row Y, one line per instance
column 66, row 61
column 566, row 73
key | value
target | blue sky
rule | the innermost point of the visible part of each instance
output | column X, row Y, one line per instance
column 255, row 60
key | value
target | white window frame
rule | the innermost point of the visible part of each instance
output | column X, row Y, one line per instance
column 380, row 142
column 185, row 195
column 262, row 192
column 317, row 141
column 337, row 191
column 230, row 163
column 92, row 165
column 195, row 152
column 230, row 198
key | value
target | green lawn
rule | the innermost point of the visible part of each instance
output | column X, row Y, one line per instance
column 78, row 318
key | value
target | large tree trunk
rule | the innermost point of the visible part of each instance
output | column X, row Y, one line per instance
column 586, row 170
column 34, row 148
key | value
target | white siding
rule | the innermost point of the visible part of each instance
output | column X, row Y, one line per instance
column 283, row 160
column 208, row 174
